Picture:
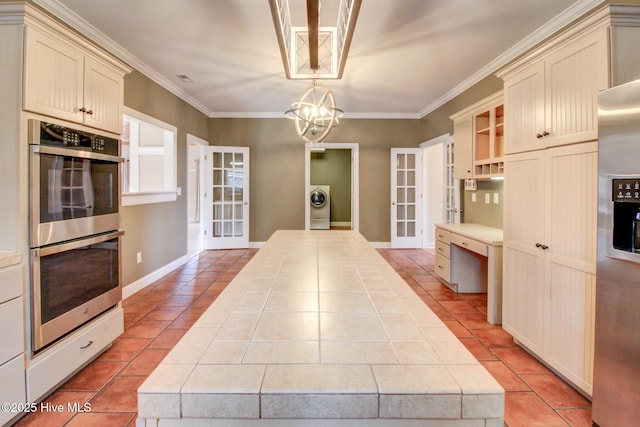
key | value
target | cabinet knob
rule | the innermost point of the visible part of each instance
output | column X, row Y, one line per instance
column 541, row 246
column 545, row 133
column 90, row 112
column 539, row 135
column 82, row 110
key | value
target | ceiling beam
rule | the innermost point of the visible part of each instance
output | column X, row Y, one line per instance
column 313, row 11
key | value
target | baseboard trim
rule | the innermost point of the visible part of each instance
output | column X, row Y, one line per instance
column 145, row 281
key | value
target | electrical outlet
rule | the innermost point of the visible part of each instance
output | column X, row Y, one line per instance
column 487, row 198
column 139, row 257
column 496, row 198
column 474, row 197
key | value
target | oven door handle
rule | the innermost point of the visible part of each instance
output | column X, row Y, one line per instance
column 54, row 249
column 56, row 151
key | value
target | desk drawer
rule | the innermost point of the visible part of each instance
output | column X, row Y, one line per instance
column 443, row 267
column 443, row 249
column 470, row 244
column 443, row 235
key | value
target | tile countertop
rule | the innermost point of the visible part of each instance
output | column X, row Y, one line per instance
column 489, row 235
column 318, row 329
column 8, row 259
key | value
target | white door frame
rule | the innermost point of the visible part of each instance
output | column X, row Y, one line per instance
column 416, row 241
column 226, row 242
column 444, row 140
column 355, row 180
column 192, row 139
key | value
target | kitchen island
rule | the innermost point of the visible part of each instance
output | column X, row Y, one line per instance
column 318, row 329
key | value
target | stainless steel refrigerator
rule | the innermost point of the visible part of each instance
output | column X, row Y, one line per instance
column 616, row 380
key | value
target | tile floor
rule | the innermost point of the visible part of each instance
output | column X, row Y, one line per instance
column 158, row 316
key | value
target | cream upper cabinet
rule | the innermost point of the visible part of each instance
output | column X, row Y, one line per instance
column 478, row 139
column 63, row 81
column 549, row 256
column 553, row 100
column 462, row 148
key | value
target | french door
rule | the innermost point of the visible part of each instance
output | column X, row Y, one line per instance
column 227, row 198
column 406, row 197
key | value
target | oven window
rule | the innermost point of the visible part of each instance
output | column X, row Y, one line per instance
column 71, row 278
column 72, row 187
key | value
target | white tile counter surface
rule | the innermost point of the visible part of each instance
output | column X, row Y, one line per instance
column 318, row 329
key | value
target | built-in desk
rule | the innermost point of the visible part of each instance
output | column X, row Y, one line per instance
column 319, row 330
column 469, row 260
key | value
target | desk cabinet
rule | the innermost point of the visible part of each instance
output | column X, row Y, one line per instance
column 469, row 260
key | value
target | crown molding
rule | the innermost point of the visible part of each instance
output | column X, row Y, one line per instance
column 556, row 24
column 72, row 19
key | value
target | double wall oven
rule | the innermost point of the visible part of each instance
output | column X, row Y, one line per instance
column 74, row 228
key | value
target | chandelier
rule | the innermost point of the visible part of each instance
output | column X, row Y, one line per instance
column 315, row 114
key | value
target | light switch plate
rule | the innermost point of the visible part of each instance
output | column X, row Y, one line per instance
column 474, row 197
column 487, row 198
column 496, row 198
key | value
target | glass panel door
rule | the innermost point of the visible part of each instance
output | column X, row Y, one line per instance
column 406, row 198
column 451, row 186
column 227, row 198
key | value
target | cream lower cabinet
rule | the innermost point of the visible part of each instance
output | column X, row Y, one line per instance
column 549, row 256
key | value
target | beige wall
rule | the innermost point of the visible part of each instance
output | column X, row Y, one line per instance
column 278, row 197
column 158, row 230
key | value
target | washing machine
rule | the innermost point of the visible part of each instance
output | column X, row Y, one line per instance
column 319, row 198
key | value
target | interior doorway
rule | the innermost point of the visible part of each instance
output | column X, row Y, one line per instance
column 347, row 208
column 195, row 183
column 439, row 195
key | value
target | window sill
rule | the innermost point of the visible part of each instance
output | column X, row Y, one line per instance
column 130, row 199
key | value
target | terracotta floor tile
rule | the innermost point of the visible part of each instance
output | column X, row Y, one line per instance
column 577, row 417
column 497, row 337
column 428, row 299
column 478, row 349
column 124, row 349
column 519, row 361
column 457, row 328
column 48, row 418
column 94, row 376
column 526, row 409
column 145, row 362
column 146, row 328
column 178, row 301
column 121, row 395
column 442, row 313
column 167, row 339
column 164, row 313
column 473, row 320
column 170, row 285
column 445, row 295
column 457, row 307
column 103, row 419
column 554, row 391
column 505, row 376
column 131, row 318
column 185, row 321
column 139, row 306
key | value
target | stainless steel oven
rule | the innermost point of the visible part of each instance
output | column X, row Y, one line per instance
column 74, row 182
column 74, row 228
column 72, row 283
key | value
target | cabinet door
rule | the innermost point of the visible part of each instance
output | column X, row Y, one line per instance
column 523, row 261
column 53, row 77
column 103, row 96
column 574, row 75
column 572, row 174
column 462, row 148
column 524, row 109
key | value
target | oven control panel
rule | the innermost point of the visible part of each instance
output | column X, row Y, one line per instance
column 61, row 136
column 626, row 190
